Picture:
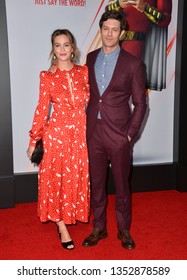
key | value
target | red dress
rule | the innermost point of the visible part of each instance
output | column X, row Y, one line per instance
column 63, row 177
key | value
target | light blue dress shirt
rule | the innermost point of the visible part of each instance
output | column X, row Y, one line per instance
column 104, row 68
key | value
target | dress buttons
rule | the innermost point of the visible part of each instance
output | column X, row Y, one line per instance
column 100, row 100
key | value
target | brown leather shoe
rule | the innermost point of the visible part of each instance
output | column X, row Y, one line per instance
column 126, row 240
column 94, row 237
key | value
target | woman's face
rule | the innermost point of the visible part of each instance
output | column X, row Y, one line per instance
column 62, row 47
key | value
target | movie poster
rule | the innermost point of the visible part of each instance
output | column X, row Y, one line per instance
column 30, row 24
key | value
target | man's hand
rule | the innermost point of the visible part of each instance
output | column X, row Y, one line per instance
column 129, row 138
column 52, row 69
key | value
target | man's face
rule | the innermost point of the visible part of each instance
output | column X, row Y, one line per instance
column 110, row 33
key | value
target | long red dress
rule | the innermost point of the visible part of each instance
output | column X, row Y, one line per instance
column 63, row 177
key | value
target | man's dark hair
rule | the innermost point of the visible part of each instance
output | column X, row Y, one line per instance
column 113, row 15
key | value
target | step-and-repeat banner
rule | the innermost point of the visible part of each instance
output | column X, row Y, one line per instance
column 30, row 25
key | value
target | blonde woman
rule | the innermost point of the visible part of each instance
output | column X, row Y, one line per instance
column 63, row 177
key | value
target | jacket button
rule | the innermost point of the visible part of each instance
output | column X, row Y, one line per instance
column 100, row 100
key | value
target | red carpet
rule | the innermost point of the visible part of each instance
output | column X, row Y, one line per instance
column 159, row 228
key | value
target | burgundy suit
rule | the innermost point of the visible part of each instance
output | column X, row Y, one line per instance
column 107, row 138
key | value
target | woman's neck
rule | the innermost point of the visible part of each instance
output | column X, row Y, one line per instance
column 65, row 65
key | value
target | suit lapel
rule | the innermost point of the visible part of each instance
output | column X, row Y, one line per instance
column 115, row 77
column 92, row 72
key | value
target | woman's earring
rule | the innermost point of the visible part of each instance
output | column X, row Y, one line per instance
column 72, row 55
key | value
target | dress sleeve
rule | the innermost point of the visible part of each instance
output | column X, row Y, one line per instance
column 42, row 109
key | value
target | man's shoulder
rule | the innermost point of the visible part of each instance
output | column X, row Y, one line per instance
column 91, row 57
column 94, row 52
column 130, row 57
column 127, row 54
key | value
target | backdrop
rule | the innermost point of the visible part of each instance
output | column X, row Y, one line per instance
column 30, row 25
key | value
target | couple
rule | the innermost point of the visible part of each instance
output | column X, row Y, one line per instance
column 92, row 99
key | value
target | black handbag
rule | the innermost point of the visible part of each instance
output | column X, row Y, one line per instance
column 37, row 155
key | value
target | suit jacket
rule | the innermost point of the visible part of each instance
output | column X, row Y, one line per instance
column 128, row 82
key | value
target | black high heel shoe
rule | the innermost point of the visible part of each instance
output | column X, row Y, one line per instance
column 66, row 245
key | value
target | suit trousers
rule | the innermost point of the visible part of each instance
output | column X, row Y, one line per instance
column 102, row 150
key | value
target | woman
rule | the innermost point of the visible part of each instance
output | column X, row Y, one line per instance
column 63, row 178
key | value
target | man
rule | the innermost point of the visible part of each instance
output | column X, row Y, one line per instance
column 147, row 34
column 115, row 77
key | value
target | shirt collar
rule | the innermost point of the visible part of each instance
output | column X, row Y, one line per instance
column 111, row 54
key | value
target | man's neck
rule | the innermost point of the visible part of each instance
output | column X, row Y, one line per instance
column 108, row 50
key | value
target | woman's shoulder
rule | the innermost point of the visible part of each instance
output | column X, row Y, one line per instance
column 46, row 74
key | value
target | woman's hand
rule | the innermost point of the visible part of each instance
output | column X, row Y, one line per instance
column 30, row 151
